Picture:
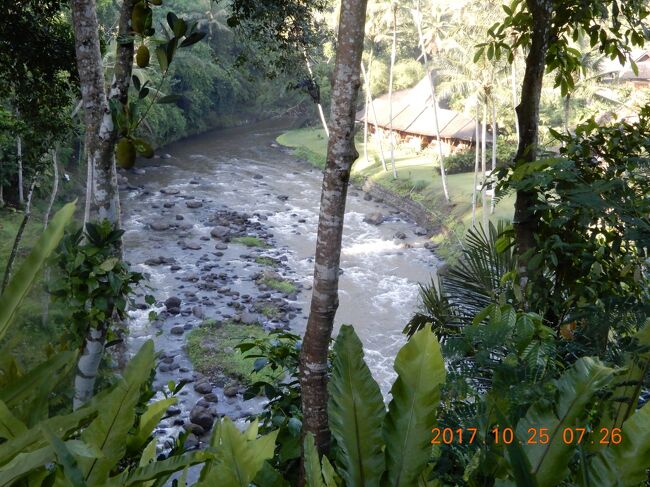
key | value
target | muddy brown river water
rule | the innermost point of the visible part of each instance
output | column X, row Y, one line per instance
column 171, row 206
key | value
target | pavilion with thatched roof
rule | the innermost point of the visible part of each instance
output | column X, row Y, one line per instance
column 413, row 119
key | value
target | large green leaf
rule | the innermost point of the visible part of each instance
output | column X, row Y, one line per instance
column 549, row 462
column 10, row 425
column 24, row 278
column 24, row 463
column 238, row 456
column 412, row 411
column 27, row 396
column 148, row 422
column 159, row 469
column 356, row 413
column 32, row 439
column 313, row 474
column 632, row 455
column 108, row 432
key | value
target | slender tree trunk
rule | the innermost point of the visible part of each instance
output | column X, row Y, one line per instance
column 378, row 133
column 321, row 114
column 19, row 236
column 567, row 112
column 100, row 133
column 55, row 188
column 484, row 165
column 19, row 154
column 102, row 197
column 525, row 222
column 366, row 78
column 434, row 102
column 393, row 54
column 494, row 152
column 341, row 153
column 46, row 221
column 514, row 96
column 476, row 160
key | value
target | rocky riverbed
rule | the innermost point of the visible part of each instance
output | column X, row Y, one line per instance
column 224, row 227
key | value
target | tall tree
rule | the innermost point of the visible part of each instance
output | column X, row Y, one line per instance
column 546, row 28
column 391, row 72
column 100, row 133
column 341, row 153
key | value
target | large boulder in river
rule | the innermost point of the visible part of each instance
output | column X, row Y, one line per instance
column 220, row 231
column 173, row 302
column 159, row 226
column 202, row 416
column 375, row 218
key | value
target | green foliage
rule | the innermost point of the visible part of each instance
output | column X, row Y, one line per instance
column 464, row 161
column 356, row 413
column 91, row 279
column 593, row 223
column 250, row 241
column 238, row 457
column 25, row 276
column 282, row 285
column 407, row 73
column 613, row 27
column 211, row 350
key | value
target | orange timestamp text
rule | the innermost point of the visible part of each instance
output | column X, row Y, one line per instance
column 534, row 436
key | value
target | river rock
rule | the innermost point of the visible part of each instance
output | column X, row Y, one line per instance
column 430, row 245
column 419, row 231
column 195, row 429
column 170, row 191
column 283, row 197
column 211, row 397
column 231, row 390
column 159, row 226
column 367, row 196
column 173, row 411
column 399, row 235
column 248, row 318
column 375, row 218
column 177, row 330
column 258, row 176
column 193, row 204
column 191, row 442
column 203, row 387
column 166, row 156
column 169, row 204
column 221, row 246
column 180, row 217
column 172, row 302
column 191, row 245
column 201, row 416
column 220, row 231
column 198, row 312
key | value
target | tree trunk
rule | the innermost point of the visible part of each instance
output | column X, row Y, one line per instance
column 19, row 154
column 525, row 223
column 567, row 112
column 100, row 134
column 374, row 116
column 494, row 152
column 476, row 159
column 393, row 54
column 19, row 236
column 46, row 221
column 366, row 78
column 102, row 197
column 484, row 164
column 434, row 102
column 341, row 153
column 514, row 96
column 321, row 114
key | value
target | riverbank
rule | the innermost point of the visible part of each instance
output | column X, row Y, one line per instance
column 417, row 190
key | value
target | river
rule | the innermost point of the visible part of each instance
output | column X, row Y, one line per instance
column 169, row 207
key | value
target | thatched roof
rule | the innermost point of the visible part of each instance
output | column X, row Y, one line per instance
column 413, row 113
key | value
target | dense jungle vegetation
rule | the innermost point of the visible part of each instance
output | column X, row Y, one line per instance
column 527, row 361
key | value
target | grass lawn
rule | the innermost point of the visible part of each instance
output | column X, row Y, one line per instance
column 416, row 178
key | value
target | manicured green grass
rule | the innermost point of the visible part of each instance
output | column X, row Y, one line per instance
column 250, row 242
column 211, row 349
column 309, row 144
column 281, row 285
column 418, row 179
